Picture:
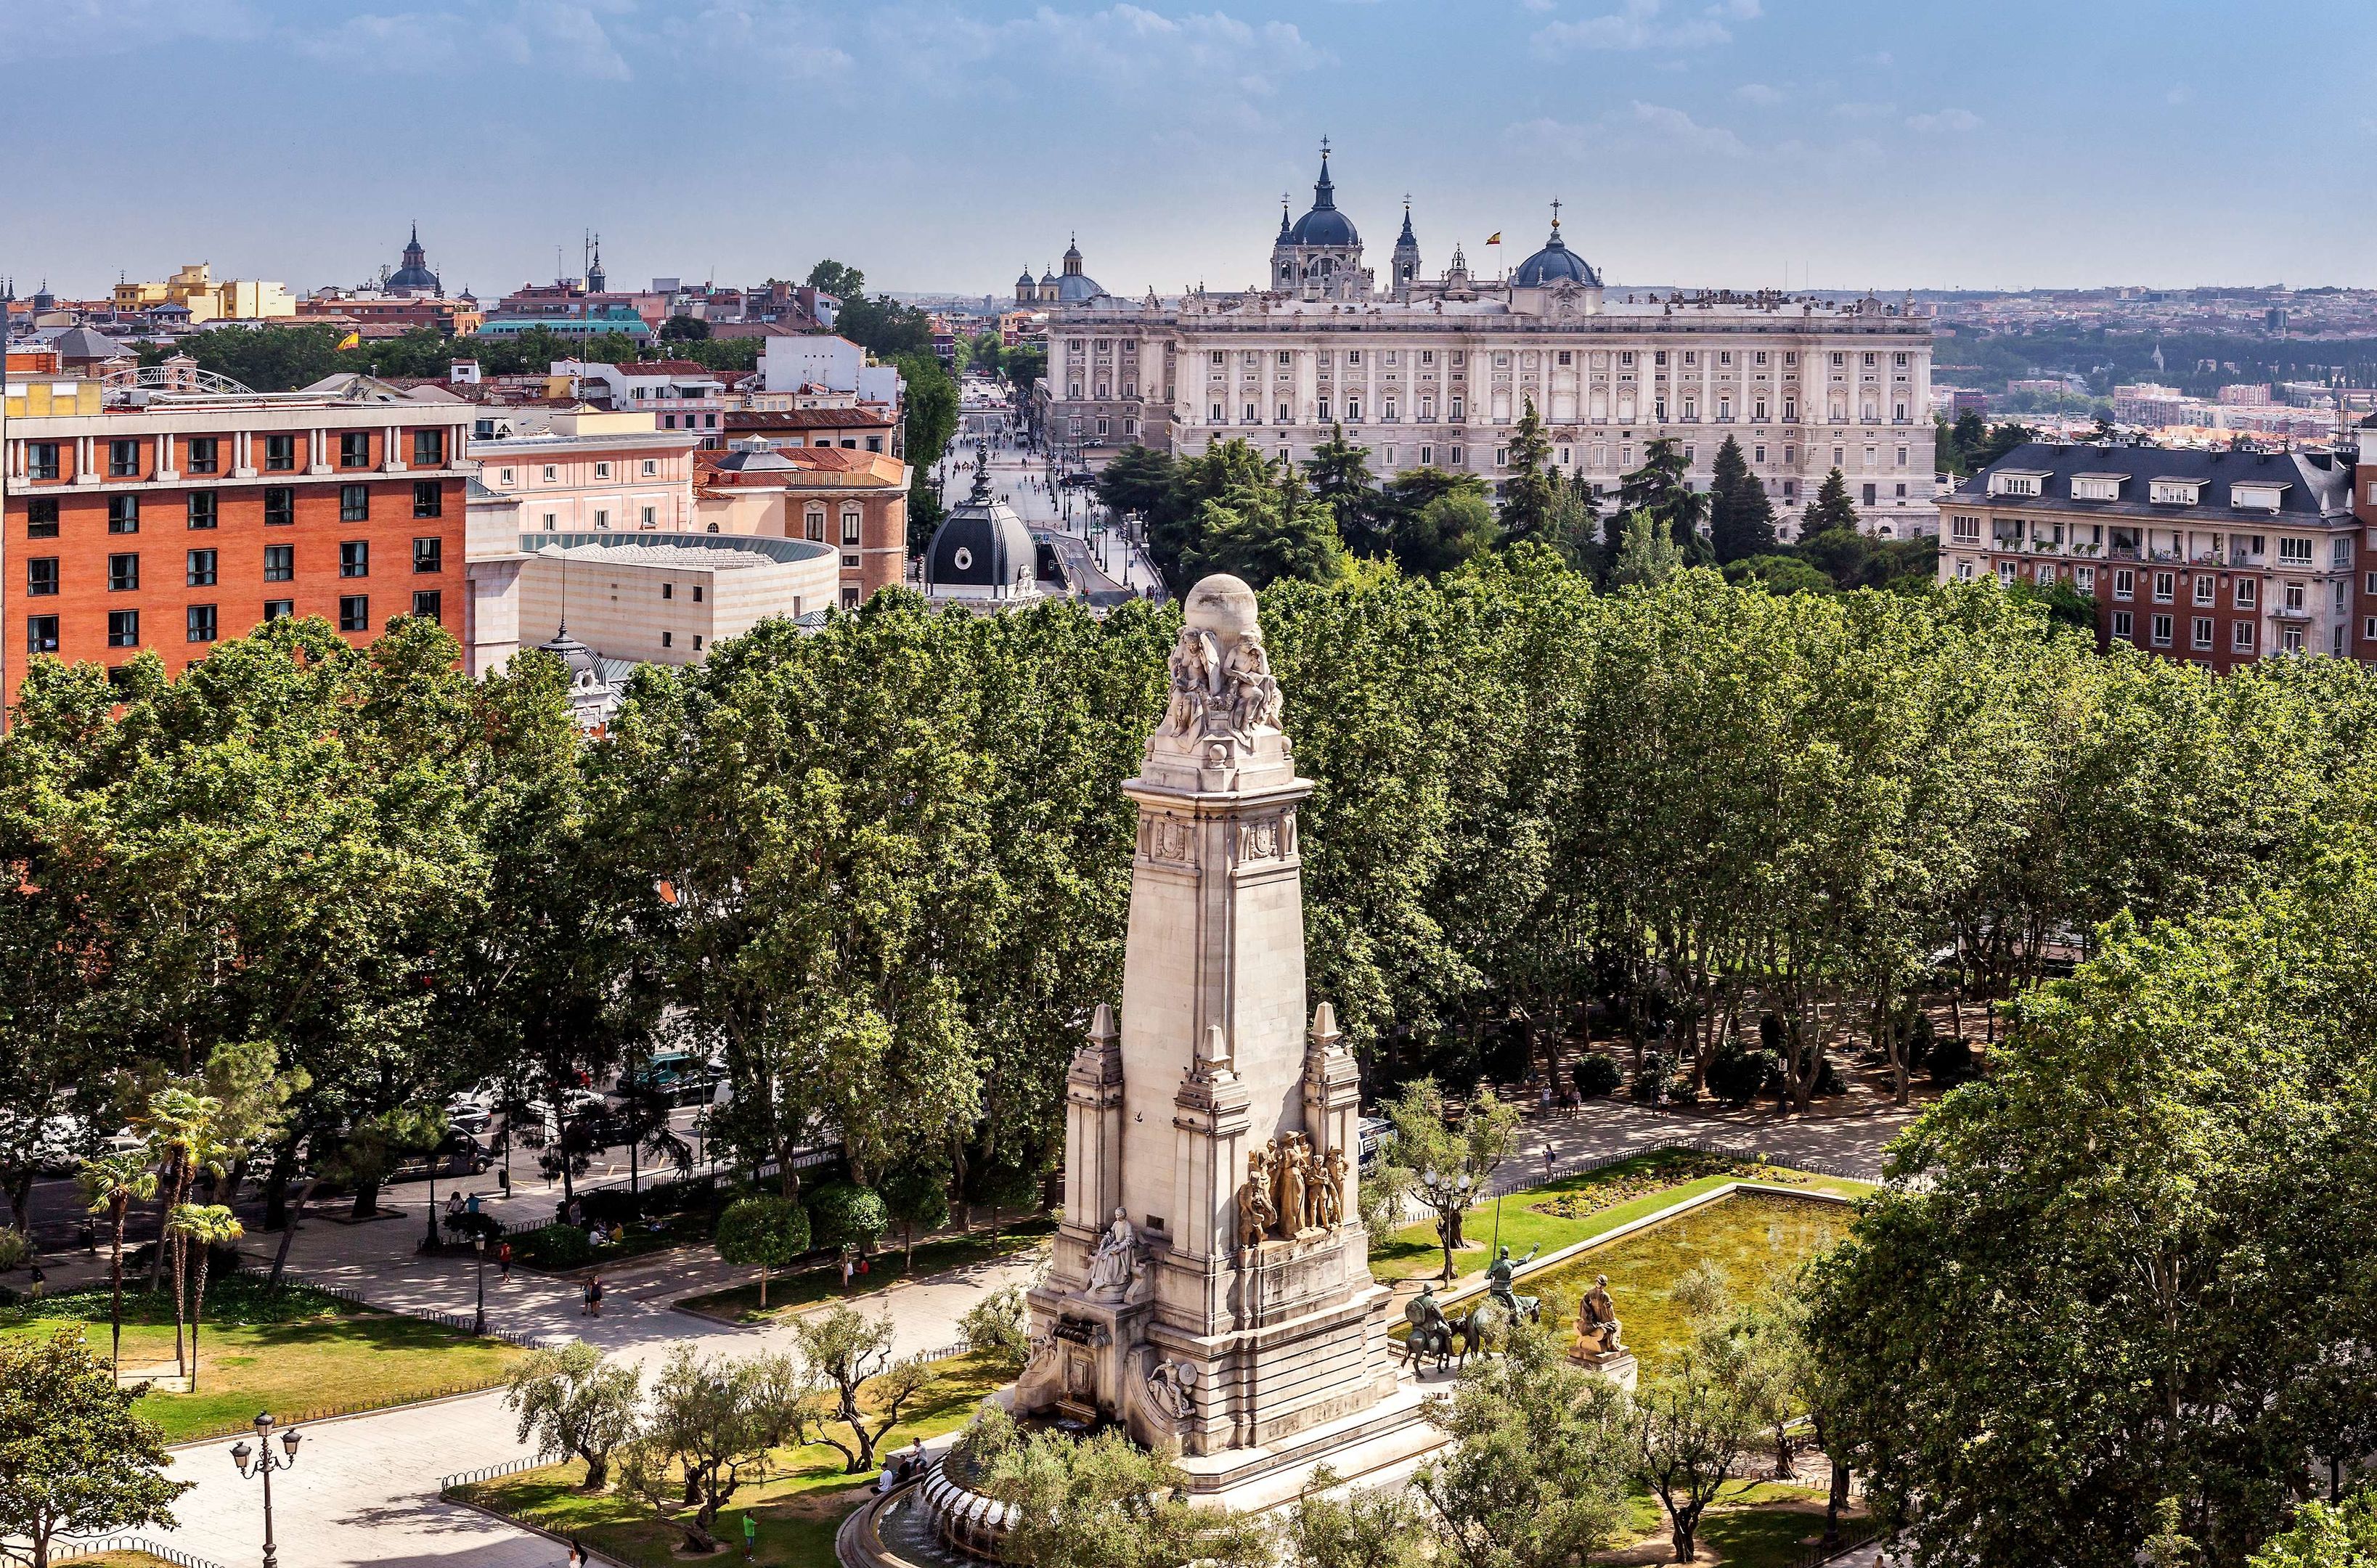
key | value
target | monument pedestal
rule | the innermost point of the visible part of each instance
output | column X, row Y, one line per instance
column 1619, row 1366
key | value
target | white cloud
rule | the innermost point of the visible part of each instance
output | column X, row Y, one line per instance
column 53, row 28
column 1635, row 25
column 550, row 35
column 1758, row 92
column 1560, row 137
column 1945, row 120
column 1682, row 130
column 1124, row 48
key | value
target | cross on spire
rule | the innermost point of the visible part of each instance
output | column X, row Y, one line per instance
column 1324, row 150
column 1556, row 207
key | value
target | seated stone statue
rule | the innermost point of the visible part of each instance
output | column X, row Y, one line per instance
column 1598, row 1328
column 1116, row 1258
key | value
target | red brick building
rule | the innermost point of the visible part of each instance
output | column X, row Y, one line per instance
column 141, row 519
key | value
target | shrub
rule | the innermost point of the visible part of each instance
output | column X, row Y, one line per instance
column 1683, row 1092
column 1596, row 1074
column 14, row 1248
column 1649, row 1079
column 610, row 1206
column 1949, row 1060
column 1737, row 1074
column 996, row 1326
column 843, row 1216
column 558, row 1246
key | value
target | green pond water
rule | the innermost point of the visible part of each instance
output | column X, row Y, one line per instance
column 1753, row 1237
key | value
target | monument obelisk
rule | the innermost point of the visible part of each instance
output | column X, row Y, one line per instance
column 1210, row 1287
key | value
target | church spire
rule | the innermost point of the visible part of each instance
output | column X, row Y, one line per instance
column 1325, row 190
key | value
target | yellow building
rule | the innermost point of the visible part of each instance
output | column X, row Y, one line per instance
column 237, row 299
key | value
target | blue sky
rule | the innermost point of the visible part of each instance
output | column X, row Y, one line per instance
column 939, row 143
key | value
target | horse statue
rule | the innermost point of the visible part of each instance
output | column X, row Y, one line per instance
column 1430, row 1334
column 1480, row 1330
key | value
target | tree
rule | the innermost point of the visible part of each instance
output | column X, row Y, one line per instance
column 1662, row 488
column 1689, row 1428
column 205, row 1227
column 1137, row 479
column 74, row 1459
column 1779, row 574
column 1535, row 1476
column 762, row 1232
column 710, row 1420
column 111, row 1184
column 1831, row 511
column 1331, row 1526
column 1447, row 1167
column 854, row 1382
column 997, row 1326
column 1967, row 437
column 1448, row 530
column 1647, row 554
column 2002, row 439
column 917, row 1193
column 574, row 1404
column 1742, row 520
column 1576, row 530
column 1266, row 534
column 2342, row 1535
column 1340, row 475
column 842, row 282
column 843, row 1215
column 685, row 330
column 1531, row 491
column 179, row 1125
column 1101, row 1502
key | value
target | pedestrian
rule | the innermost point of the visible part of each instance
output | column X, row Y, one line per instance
column 472, row 1206
column 41, row 1280
column 504, row 1263
column 577, row 1555
column 1548, row 1162
column 577, row 1215
column 594, row 1294
column 750, row 1535
column 845, row 1272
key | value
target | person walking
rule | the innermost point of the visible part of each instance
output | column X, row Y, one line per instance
column 504, row 1263
column 577, row 1555
column 594, row 1295
column 1548, row 1162
column 750, row 1535
column 845, row 1272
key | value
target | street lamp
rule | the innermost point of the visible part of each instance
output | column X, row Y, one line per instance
column 265, row 1464
column 479, row 1318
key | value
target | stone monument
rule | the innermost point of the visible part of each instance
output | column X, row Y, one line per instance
column 1210, row 1289
column 1598, row 1332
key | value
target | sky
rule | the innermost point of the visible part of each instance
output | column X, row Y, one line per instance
column 949, row 144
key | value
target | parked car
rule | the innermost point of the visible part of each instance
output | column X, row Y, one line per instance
column 468, row 1116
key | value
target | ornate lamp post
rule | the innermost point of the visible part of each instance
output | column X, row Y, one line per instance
column 263, row 1466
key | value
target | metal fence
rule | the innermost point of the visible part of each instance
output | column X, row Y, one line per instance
column 1522, row 1173
column 61, row 1551
column 1855, row 1534
column 489, row 1472
column 462, row 1323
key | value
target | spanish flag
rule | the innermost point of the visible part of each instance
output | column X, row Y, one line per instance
column 352, row 340
column 1494, row 238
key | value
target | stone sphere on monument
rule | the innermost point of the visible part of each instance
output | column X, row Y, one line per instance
column 1222, row 604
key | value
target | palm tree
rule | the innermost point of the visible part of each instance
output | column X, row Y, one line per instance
column 112, row 1183
column 178, row 1123
column 208, row 1225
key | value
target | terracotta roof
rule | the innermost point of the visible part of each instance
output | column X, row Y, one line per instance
column 812, row 419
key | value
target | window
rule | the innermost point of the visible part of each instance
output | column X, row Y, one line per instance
column 813, row 524
column 2164, row 587
column 354, row 557
column 601, row 471
column 697, row 593
column 355, row 503
column 198, row 623
column 429, row 603
column 651, row 467
column 2160, row 633
column 2294, row 552
column 1284, row 358
column 124, row 629
column 429, row 555
column 280, row 609
column 355, row 449
column 2122, row 624
column 279, row 562
column 651, row 518
column 280, row 454
column 2125, row 584
column 279, row 506
column 124, row 514
column 1283, row 414
column 202, row 456
column 2241, row 636
column 41, row 576
column 552, row 473
column 668, row 639
column 201, row 568
column 428, row 448
column 42, row 519
column 354, row 612
column 202, row 508
column 2084, row 578
column 40, row 634
column 850, row 521
column 2248, row 592
column 428, row 498
column 123, row 574
column 696, row 640
column 2294, row 598
column 2204, row 588
column 124, row 459
column 41, row 461
column 2202, row 633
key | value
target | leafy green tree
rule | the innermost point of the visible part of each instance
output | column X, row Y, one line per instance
column 1137, row 479
column 1340, row 475
column 915, row 1192
column 1661, row 488
column 202, row 1227
column 1537, row 1473
column 844, row 282
column 885, row 328
column 575, row 1405
column 2342, row 1535
column 1267, row 534
column 1831, row 511
column 1689, row 1427
column 1967, row 437
column 844, row 1216
column 998, row 1326
column 1447, row 532
column 1742, row 520
column 1779, row 574
column 1448, row 1166
column 1529, row 495
column 111, row 1184
column 1576, row 530
column 853, row 1381
column 1648, row 553
column 75, row 1460
column 762, row 1232
column 1333, row 1525
column 2001, row 440
column 708, row 1428
column 1101, row 1502
column 685, row 330
column 1024, row 365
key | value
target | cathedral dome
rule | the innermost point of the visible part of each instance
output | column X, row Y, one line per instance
column 415, row 272
column 1075, row 286
column 1553, row 265
column 982, row 549
column 1324, row 225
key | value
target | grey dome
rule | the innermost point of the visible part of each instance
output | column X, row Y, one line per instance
column 755, row 454
column 1324, row 225
column 414, row 273
column 981, row 547
column 1554, row 263
column 1077, row 286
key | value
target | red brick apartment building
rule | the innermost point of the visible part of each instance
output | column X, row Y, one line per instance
column 142, row 518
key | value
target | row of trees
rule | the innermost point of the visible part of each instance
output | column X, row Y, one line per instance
column 883, row 870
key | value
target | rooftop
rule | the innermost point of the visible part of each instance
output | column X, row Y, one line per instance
column 701, row 551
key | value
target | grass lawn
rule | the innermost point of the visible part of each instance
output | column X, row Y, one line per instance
column 1578, row 1208
column 296, row 1352
column 787, row 1291
column 1768, row 1525
column 798, row 1507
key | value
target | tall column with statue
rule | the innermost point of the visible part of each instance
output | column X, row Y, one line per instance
column 1210, row 1289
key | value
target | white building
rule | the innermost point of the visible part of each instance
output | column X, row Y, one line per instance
column 1436, row 372
column 834, row 363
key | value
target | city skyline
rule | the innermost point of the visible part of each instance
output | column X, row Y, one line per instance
column 1738, row 143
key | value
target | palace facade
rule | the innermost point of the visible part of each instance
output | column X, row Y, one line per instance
column 1435, row 372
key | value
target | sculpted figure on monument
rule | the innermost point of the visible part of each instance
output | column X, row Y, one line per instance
column 1196, row 678
column 1256, row 1213
column 1113, row 1264
column 1172, row 1389
column 1332, row 1188
column 1598, row 1328
column 1254, row 694
column 1292, row 1176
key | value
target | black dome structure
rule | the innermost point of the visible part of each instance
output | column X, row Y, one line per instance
column 1554, row 263
column 415, row 272
column 982, row 550
column 1324, row 225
